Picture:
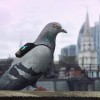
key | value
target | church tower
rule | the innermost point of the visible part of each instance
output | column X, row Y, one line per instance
column 87, row 56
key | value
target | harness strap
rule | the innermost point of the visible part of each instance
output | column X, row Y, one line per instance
column 26, row 48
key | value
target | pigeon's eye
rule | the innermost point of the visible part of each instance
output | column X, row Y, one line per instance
column 54, row 25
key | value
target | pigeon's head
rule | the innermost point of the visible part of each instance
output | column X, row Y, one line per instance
column 48, row 35
column 54, row 28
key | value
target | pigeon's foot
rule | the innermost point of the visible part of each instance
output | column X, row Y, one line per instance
column 40, row 89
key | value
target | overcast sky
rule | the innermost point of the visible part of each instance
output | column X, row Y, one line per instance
column 24, row 20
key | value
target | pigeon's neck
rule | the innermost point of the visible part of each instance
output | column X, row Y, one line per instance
column 47, row 39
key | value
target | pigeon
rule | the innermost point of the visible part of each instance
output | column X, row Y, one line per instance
column 26, row 70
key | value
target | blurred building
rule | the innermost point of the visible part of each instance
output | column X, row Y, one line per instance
column 68, row 55
column 62, row 72
column 96, row 35
column 67, row 59
column 95, row 32
column 79, row 39
column 87, row 55
column 69, row 51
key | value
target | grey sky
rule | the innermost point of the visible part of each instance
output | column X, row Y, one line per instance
column 26, row 19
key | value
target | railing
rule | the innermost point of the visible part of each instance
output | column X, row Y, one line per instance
column 90, row 72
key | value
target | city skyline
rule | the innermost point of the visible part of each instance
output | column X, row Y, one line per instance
column 95, row 33
column 24, row 19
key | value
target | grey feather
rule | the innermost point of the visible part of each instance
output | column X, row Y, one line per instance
column 26, row 70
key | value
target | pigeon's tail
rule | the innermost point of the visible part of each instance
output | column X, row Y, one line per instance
column 4, row 80
column 14, row 84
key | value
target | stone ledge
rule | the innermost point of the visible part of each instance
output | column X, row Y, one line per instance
column 30, row 95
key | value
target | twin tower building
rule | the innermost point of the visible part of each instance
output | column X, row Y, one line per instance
column 88, row 46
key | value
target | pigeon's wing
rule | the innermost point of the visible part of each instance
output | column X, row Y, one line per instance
column 26, row 70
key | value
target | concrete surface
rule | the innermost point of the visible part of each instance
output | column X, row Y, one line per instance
column 43, row 95
column 48, row 94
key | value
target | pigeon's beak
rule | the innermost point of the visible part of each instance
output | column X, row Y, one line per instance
column 62, row 30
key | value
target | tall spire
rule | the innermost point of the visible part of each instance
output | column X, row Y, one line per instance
column 20, row 43
column 99, row 17
column 87, row 26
